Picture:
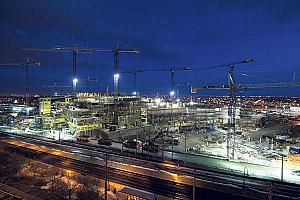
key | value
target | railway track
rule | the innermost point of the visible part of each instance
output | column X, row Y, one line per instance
column 252, row 184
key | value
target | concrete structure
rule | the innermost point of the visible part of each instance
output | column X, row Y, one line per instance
column 130, row 108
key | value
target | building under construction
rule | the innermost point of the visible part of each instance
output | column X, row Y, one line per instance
column 90, row 113
column 129, row 108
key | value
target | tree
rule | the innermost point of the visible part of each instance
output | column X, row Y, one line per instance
column 9, row 165
column 59, row 191
column 89, row 188
column 53, row 174
column 87, row 194
column 71, row 182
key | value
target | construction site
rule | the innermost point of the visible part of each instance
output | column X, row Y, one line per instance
column 202, row 104
column 257, row 130
column 257, row 136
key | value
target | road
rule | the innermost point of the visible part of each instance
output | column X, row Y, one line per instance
column 205, row 178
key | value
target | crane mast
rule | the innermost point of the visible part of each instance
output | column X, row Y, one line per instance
column 232, row 101
column 231, row 112
column 26, row 65
column 171, row 70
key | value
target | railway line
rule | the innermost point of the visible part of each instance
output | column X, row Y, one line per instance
column 208, row 178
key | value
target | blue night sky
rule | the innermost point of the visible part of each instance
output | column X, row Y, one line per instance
column 168, row 33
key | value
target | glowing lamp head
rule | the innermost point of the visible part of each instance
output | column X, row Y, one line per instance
column 75, row 81
column 172, row 93
column 116, row 76
column 177, row 100
column 134, row 93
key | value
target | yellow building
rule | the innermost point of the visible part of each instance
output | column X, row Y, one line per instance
column 68, row 100
column 45, row 106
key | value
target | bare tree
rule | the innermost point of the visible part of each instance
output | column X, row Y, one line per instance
column 53, row 173
column 89, row 189
column 71, row 183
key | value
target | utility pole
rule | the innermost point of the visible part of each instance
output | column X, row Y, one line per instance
column 163, row 145
column 105, row 192
column 281, row 168
column 184, row 147
column 194, row 185
column 149, row 135
column 172, row 146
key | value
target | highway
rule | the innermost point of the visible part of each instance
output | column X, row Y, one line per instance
column 205, row 178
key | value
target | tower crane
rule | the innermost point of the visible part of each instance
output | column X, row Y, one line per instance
column 26, row 65
column 171, row 70
column 116, row 51
column 195, row 89
column 232, row 87
column 133, row 72
column 89, row 80
column 74, row 50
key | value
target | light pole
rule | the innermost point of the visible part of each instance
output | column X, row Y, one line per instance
column 194, row 184
column 282, row 168
column 105, row 187
column 163, row 144
column 185, row 147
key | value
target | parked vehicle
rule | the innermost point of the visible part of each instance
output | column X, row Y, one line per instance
column 105, row 141
column 131, row 144
column 84, row 138
column 151, row 147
